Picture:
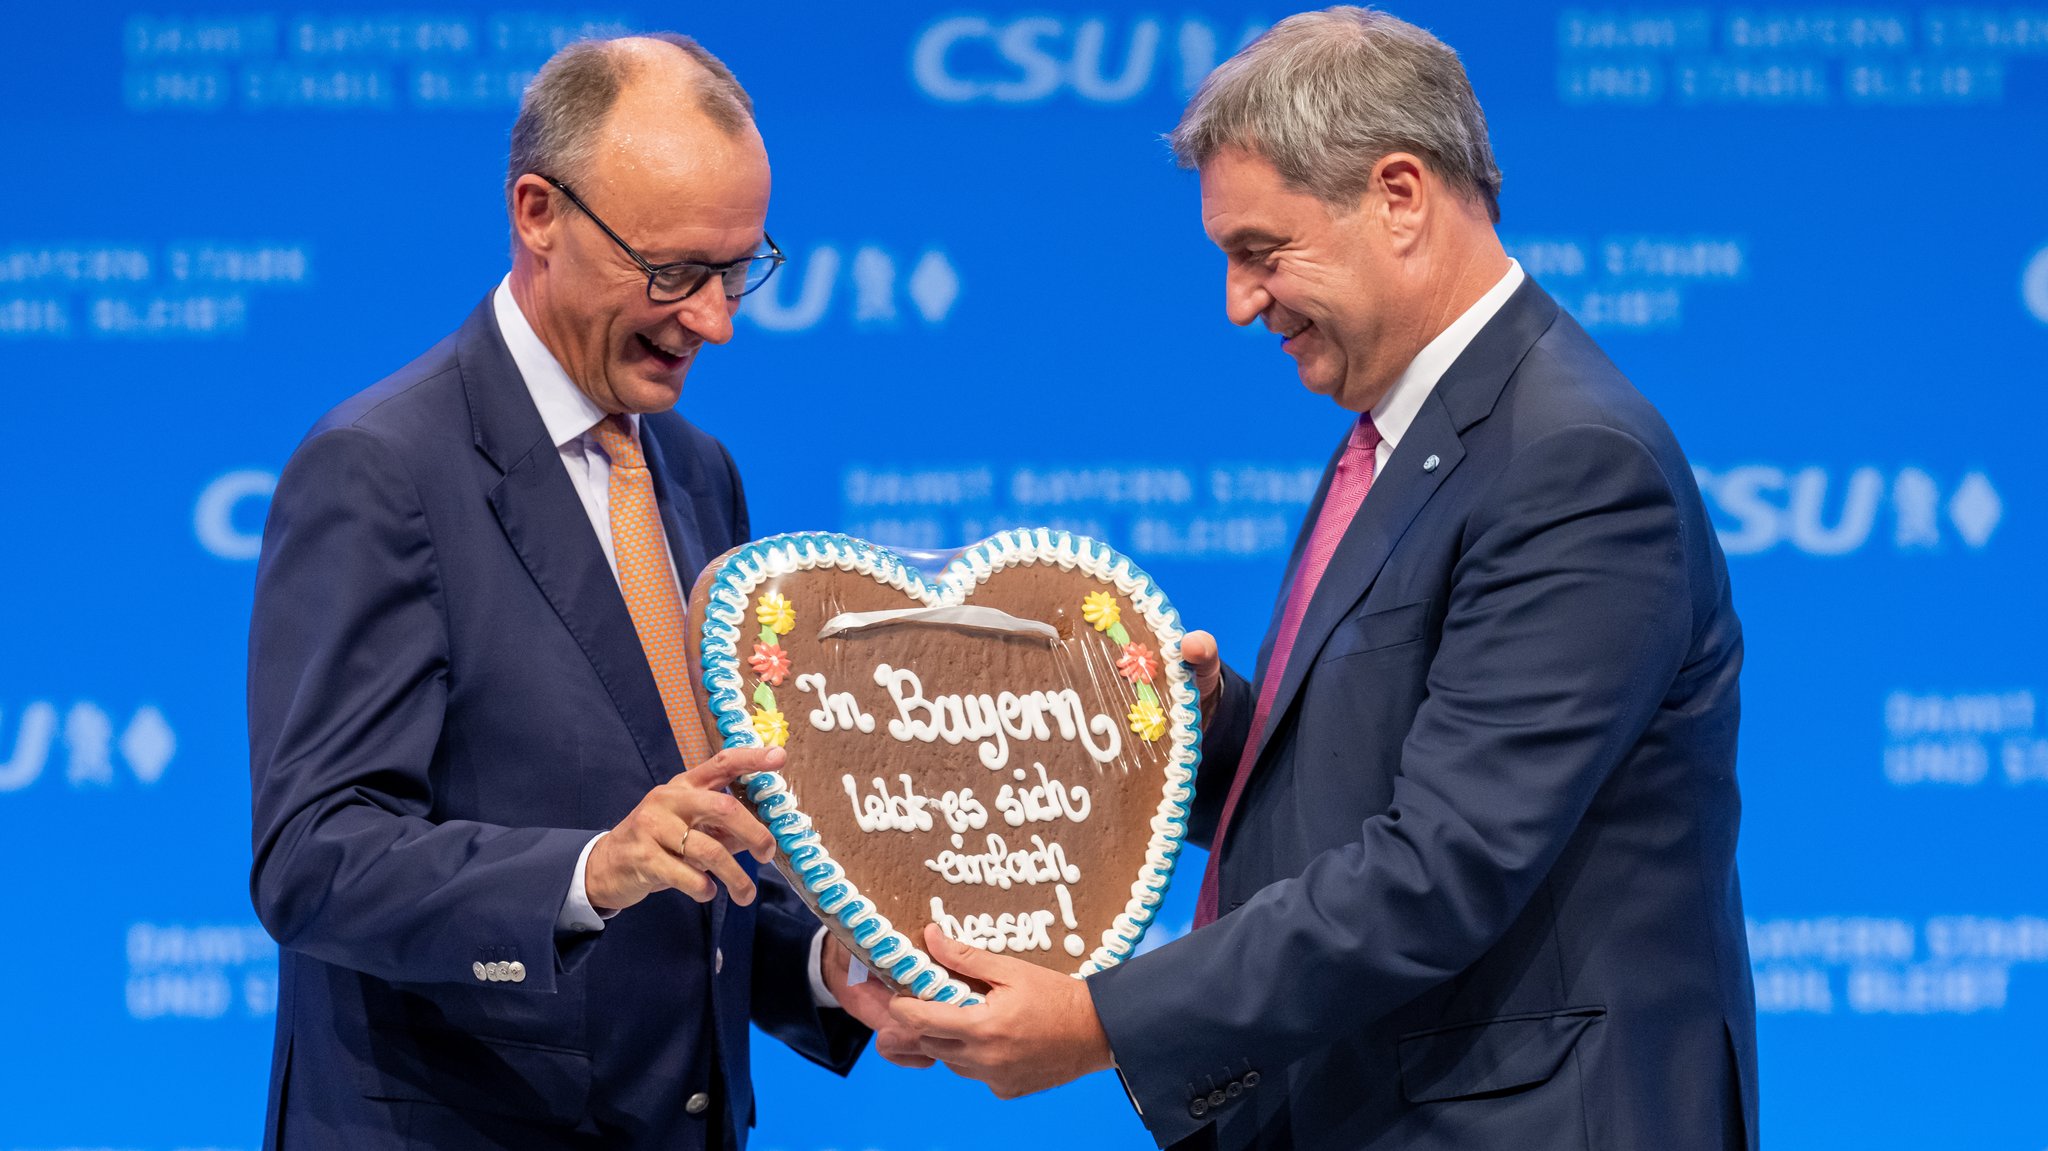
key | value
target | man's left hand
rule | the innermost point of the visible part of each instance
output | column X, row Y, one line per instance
column 868, row 1001
column 1036, row 1031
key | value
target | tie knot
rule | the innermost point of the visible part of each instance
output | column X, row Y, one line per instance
column 1364, row 437
column 616, row 436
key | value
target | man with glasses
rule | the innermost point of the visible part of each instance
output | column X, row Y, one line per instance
column 515, row 904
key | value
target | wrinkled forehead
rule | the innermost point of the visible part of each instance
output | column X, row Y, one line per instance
column 1245, row 199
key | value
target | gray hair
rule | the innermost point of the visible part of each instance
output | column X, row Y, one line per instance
column 568, row 99
column 1323, row 96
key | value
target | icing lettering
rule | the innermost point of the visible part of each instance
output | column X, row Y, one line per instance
column 837, row 710
column 883, row 811
column 1047, row 800
column 997, row 933
column 992, row 721
column 1001, row 867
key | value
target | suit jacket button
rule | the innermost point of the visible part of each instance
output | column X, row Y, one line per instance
column 1233, row 1089
column 477, row 969
column 1251, row 1079
column 697, row 1103
column 516, row 971
column 1217, row 1097
column 1198, row 1108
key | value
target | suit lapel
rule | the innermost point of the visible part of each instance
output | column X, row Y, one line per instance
column 1397, row 494
column 1465, row 395
column 686, row 550
column 542, row 517
column 678, row 513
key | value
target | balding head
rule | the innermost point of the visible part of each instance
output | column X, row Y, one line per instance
column 629, row 155
column 569, row 99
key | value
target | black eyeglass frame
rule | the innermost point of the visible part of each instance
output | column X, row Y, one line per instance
column 707, row 272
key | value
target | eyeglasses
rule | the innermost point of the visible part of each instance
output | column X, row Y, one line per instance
column 669, row 283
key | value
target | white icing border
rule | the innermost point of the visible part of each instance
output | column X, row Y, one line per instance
column 809, row 864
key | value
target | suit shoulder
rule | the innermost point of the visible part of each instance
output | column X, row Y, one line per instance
column 416, row 405
column 1566, row 380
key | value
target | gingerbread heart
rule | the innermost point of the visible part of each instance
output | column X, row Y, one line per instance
column 1007, row 751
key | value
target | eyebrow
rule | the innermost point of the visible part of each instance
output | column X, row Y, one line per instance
column 1241, row 237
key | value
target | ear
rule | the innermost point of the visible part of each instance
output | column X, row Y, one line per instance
column 1399, row 179
column 537, row 211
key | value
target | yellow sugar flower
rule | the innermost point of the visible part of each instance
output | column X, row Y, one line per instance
column 1147, row 720
column 1100, row 609
column 775, row 612
column 774, row 730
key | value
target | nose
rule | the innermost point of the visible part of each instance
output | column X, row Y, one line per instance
column 1244, row 294
column 707, row 313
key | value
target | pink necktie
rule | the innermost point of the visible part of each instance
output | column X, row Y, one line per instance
column 1347, row 490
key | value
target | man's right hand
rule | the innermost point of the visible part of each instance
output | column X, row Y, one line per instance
column 1198, row 651
column 682, row 835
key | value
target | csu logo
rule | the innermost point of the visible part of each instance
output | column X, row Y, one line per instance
column 964, row 59
column 145, row 744
column 1759, row 507
column 874, row 288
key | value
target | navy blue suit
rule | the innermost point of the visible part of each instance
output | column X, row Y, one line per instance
column 447, row 699
column 1480, row 890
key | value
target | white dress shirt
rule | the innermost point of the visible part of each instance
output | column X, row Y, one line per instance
column 1396, row 410
column 569, row 416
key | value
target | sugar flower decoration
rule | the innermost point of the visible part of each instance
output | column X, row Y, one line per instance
column 775, row 612
column 1100, row 609
column 1137, row 663
column 774, row 730
column 1147, row 720
column 769, row 662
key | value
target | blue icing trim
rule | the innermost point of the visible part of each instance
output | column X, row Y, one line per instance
column 724, row 685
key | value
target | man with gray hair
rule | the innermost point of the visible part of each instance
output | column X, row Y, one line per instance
column 1472, row 824
column 515, row 905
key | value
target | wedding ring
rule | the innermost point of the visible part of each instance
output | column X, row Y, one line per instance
column 683, row 844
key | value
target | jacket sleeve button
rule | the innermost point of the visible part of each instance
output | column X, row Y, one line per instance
column 1251, row 1079
column 1198, row 1108
column 477, row 969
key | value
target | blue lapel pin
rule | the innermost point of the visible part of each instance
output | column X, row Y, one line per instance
column 1429, row 465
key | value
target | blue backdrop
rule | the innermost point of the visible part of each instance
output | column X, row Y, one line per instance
column 1816, row 237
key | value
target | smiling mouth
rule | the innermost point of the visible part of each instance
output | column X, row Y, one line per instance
column 1287, row 334
column 663, row 355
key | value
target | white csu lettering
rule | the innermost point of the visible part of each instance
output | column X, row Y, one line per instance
column 993, row 721
column 962, row 59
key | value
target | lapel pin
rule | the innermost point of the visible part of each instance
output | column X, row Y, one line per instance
column 1429, row 465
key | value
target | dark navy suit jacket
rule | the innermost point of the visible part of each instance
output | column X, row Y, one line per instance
column 1480, row 891
column 447, row 699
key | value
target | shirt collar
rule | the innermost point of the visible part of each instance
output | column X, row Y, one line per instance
column 566, row 411
column 1397, row 409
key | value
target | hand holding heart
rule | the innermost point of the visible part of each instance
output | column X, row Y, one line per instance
column 1037, row 1030
column 868, row 1001
column 682, row 835
column 1198, row 651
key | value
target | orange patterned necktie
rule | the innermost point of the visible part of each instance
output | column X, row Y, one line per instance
column 649, row 583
